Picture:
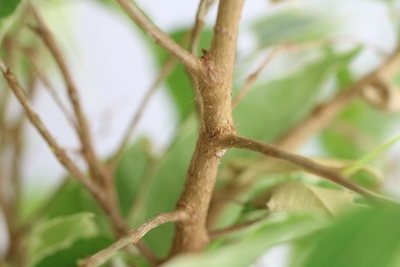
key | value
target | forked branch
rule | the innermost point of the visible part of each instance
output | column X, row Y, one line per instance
column 160, row 37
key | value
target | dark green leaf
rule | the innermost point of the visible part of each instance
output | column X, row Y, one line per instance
column 7, row 7
column 130, row 173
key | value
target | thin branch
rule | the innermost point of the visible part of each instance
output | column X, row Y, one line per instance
column 51, row 90
column 252, row 78
column 322, row 115
column 36, row 121
column 161, row 38
column 303, row 162
column 132, row 237
column 83, row 130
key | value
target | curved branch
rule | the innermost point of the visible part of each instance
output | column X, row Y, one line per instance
column 132, row 237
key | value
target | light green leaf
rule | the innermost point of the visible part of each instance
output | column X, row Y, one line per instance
column 293, row 25
column 352, row 135
column 270, row 109
column 301, row 197
column 368, row 238
column 60, row 233
column 131, row 172
column 70, row 256
column 359, row 164
column 253, row 243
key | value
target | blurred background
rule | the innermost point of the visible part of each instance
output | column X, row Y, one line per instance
column 113, row 65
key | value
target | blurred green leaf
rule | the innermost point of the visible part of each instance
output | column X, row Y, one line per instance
column 270, row 109
column 368, row 238
column 60, row 233
column 253, row 242
column 130, row 173
column 178, row 82
column 166, row 186
column 70, row 256
column 352, row 134
column 301, row 197
column 360, row 163
column 290, row 26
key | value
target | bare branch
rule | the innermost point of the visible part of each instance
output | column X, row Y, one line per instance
column 36, row 121
column 161, row 38
column 303, row 162
column 132, row 237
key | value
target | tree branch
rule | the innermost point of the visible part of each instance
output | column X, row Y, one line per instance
column 303, row 162
column 161, row 38
column 215, row 87
column 132, row 237
column 36, row 121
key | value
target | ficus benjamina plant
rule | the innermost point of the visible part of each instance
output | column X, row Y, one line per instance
column 233, row 182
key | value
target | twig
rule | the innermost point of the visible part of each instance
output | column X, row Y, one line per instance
column 51, row 90
column 303, row 162
column 36, row 121
column 132, row 238
column 160, row 37
column 252, row 78
column 83, row 129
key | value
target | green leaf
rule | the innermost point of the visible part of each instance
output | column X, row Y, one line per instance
column 301, row 197
column 253, row 242
column 359, row 164
column 166, row 186
column 131, row 172
column 70, row 256
column 7, row 7
column 294, row 25
column 368, row 238
column 60, row 233
column 270, row 109
column 351, row 134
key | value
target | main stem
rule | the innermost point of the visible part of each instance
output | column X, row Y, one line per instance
column 215, row 87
